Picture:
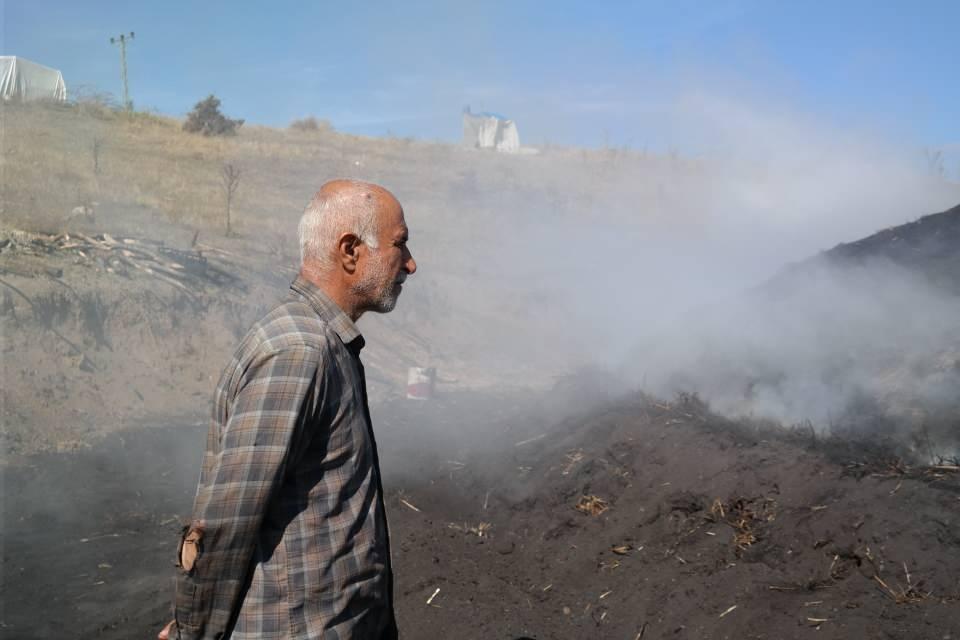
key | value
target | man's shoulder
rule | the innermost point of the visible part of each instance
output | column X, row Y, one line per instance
column 291, row 324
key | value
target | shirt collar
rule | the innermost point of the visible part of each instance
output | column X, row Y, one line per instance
column 330, row 312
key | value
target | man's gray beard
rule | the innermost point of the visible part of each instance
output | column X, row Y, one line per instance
column 382, row 301
column 386, row 301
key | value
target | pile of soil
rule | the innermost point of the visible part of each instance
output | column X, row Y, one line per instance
column 691, row 526
column 927, row 246
column 688, row 526
column 863, row 339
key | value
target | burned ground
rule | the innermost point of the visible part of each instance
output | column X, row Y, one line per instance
column 926, row 246
column 691, row 526
column 702, row 515
column 862, row 339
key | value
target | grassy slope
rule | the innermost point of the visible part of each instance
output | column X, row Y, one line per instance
column 477, row 311
column 48, row 165
column 144, row 177
column 460, row 204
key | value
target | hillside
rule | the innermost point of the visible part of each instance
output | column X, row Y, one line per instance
column 534, row 496
column 890, row 302
column 511, row 292
column 926, row 247
column 95, row 339
column 861, row 339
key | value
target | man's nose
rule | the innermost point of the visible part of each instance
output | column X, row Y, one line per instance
column 410, row 265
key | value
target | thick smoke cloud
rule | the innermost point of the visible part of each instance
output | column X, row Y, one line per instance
column 655, row 274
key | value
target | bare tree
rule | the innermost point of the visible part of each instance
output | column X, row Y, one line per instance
column 230, row 180
column 95, row 148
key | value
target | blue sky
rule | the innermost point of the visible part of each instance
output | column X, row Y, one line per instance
column 567, row 72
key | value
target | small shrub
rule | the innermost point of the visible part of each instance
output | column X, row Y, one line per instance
column 207, row 119
column 310, row 123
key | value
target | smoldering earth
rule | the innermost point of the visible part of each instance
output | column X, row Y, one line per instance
column 568, row 514
column 861, row 338
column 593, row 274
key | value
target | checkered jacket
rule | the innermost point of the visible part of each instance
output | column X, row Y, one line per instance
column 288, row 525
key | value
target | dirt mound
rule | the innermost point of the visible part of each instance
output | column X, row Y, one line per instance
column 861, row 340
column 660, row 520
column 928, row 246
column 635, row 519
column 887, row 306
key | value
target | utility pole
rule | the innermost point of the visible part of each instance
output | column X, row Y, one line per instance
column 122, row 40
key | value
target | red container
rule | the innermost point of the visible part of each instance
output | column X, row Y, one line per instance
column 421, row 382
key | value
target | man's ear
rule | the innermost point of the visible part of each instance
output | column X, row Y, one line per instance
column 348, row 251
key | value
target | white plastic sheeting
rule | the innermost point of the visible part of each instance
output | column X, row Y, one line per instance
column 22, row 79
column 490, row 131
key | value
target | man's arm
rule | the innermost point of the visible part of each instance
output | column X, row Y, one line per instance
column 275, row 398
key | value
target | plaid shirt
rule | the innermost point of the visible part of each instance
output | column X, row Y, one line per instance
column 293, row 539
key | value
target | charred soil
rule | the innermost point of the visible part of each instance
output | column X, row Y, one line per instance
column 633, row 519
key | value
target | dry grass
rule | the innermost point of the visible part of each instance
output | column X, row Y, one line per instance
column 574, row 458
column 745, row 517
column 591, row 505
column 49, row 166
column 482, row 529
column 911, row 593
column 147, row 172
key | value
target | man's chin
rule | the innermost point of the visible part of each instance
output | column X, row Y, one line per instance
column 386, row 305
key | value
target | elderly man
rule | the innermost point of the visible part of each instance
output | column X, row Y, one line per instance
column 289, row 537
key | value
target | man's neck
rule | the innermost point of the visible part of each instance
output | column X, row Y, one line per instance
column 334, row 290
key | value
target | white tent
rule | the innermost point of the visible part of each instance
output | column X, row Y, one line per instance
column 24, row 80
column 490, row 131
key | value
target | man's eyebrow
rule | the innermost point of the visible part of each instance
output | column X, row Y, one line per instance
column 404, row 234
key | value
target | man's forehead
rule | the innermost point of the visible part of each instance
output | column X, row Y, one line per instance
column 392, row 219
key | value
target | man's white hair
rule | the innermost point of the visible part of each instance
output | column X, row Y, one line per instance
column 330, row 215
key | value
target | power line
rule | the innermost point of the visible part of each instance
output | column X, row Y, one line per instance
column 122, row 40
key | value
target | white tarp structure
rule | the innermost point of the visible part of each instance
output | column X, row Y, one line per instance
column 24, row 80
column 490, row 131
